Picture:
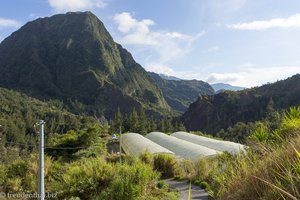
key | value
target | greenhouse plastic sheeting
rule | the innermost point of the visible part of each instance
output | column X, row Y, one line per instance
column 186, row 150
column 219, row 145
column 136, row 144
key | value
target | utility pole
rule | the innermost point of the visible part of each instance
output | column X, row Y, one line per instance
column 41, row 186
column 120, row 150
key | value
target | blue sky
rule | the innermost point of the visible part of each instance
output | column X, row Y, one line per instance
column 241, row 42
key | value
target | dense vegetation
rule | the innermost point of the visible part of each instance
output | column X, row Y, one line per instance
column 179, row 94
column 139, row 122
column 77, row 165
column 221, row 111
column 84, row 173
column 18, row 115
column 72, row 57
column 269, row 170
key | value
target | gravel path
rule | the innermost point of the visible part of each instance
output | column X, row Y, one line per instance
column 183, row 188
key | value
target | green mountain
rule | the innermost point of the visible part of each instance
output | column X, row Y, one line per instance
column 73, row 58
column 220, row 111
column 181, row 93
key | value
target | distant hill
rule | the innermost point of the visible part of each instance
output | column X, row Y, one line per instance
column 219, row 87
column 73, row 58
column 178, row 93
column 214, row 112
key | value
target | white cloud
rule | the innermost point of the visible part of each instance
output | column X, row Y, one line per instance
column 128, row 24
column 289, row 22
column 6, row 23
column 161, row 69
column 254, row 76
column 165, row 46
column 223, row 78
column 76, row 5
column 211, row 49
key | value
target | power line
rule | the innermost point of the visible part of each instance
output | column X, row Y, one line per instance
column 53, row 147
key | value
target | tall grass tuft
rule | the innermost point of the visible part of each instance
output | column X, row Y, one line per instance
column 165, row 164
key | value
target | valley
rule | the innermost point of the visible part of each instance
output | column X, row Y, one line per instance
column 229, row 142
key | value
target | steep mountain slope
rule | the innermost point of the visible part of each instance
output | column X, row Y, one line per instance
column 72, row 57
column 181, row 93
column 212, row 113
column 218, row 87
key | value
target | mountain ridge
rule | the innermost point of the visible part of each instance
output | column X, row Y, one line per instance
column 220, row 111
column 72, row 57
column 179, row 94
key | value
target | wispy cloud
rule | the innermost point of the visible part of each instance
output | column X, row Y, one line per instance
column 165, row 46
column 211, row 49
column 254, row 76
column 76, row 5
column 6, row 23
column 289, row 22
column 34, row 16
column 161, row 69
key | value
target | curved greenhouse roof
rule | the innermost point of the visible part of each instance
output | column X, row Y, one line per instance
column 180, row 147
column 136, row 144
column 218, row 145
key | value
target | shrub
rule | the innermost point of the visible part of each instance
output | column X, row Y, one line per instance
column 185, row 169
column 260, row 133
column 133, row 181
column 162, row 185
column 202, row 168
column 84, row 178
column 165, row 164
column 291, row 120
column 146, row 157
column 204, row 185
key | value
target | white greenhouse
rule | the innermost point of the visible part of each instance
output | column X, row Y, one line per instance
column 186, row 150
column 135, row 144
column 218, row 145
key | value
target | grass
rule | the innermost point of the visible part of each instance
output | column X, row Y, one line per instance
column 269, row 170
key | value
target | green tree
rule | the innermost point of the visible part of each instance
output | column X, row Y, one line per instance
column 152, row 125
column 273, row 117
column 162, row 125
column 166, row 125
column 143, row 122
column 181, row 127
column 117, row 121
column 169, row 126
column 134, row 121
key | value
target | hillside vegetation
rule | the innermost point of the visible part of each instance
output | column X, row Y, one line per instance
column 224, row 110
column 268, row 170
column 18, row 115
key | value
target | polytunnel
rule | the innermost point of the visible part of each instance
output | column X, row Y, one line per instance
column 136, row 144
column 231, row 147
column 186, row 150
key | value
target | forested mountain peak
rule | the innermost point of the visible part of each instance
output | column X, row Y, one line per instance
column 72, row 57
